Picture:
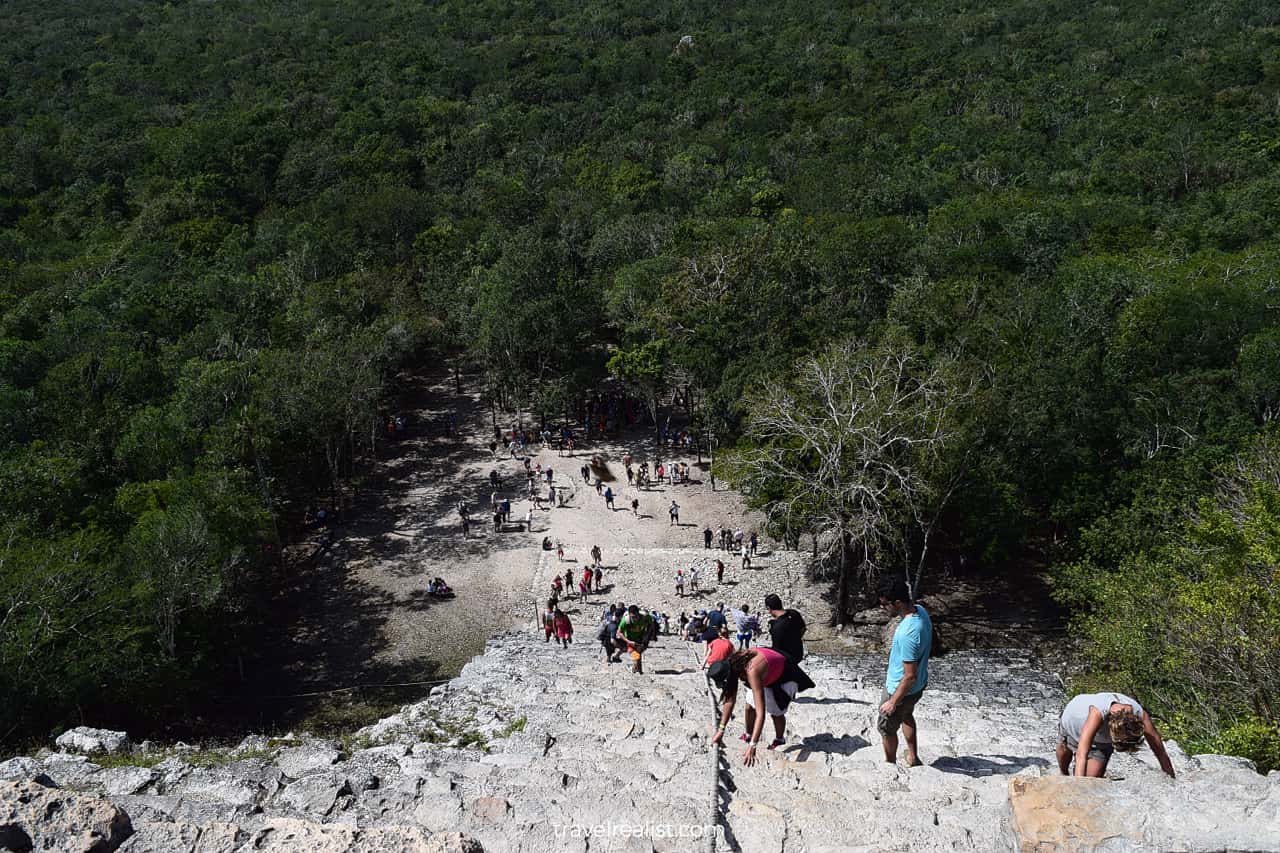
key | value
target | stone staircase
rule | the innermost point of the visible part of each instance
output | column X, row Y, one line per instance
column 538, row 748
column 605, row 759
column 830, row 789
column 532, row 748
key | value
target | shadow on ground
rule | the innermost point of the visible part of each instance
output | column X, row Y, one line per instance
column 326, row 626
column 987, row 765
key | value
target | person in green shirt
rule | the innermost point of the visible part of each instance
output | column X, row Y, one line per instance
column 634, row 631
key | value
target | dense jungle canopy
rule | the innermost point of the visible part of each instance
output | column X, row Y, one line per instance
column 225, row 226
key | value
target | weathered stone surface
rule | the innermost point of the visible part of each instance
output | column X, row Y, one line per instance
column 252, row 744
column 147, row 808
column 490, row 809
column 439, row 812
column 33, row 816
column 124, row 780
column 314, row 794
column 183, row 837
column 1224, row 762
column 389, row 730
column 536, row 748
column 285, row 834
column 1057, row 813
column 387, row 803
column 71, row 771
column 87, row 741
column 25, row 769
column 366, row 772
column 298, row 761
column 452, row 842
column 222, row 785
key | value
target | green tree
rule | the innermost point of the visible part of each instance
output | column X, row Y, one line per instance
column 644, row 369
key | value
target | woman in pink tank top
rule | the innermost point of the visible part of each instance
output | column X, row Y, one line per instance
column 762, row 669
column 776, row 662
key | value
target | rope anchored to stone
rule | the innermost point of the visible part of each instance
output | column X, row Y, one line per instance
column 709, row 838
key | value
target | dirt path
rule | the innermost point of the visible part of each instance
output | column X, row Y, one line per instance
column 358, row 613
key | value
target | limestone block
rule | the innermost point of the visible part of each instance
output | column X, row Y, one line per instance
column 125, row 780
column 757, row 825
column 1195, row 813
column 149, row 808
column 298, row 761
column 219, row 785
column 33, row 816
column 492, row 810
column 384, row 803
column 450, row 842
column 439, row 812
column 71, row 771
column 87, row 741
column 184, row 837
column 286, row 835
column 25, row 769
column 314, row 794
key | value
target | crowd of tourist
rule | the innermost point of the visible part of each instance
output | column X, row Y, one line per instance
column 1091, row 727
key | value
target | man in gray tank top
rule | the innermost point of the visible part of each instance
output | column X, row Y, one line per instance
column 1094, row 725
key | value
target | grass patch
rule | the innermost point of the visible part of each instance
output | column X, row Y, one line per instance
column 128, row 759
column 460, row 732
column 350, row 742
column 343, row 715
column 220, row 757
column 516, row 725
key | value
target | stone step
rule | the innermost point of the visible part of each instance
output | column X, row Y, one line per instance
column 565, row 752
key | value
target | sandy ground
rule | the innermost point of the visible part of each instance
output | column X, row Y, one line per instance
column 358, row 613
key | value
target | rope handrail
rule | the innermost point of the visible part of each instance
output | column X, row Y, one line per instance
column 709, row 838
column 347, row 689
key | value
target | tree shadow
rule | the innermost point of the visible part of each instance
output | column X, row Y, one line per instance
column 349, row 586
column 987, row 765
column 324, row 634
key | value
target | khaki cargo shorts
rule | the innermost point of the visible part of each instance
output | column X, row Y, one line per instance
column 889, row 725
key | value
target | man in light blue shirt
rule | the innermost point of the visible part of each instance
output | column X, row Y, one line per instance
column 908, row 673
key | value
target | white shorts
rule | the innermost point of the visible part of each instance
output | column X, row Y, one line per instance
column 770, row 706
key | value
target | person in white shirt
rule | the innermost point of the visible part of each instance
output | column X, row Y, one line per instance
column 1094, row 725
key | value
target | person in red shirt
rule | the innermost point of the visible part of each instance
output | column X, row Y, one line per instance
column 564, row 628
column 718, row 649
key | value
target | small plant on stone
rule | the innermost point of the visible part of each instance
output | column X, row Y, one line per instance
column 129, row 759
column 516, row 725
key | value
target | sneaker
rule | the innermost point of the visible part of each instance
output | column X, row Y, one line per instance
column 744, row 737
column 777, row 742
